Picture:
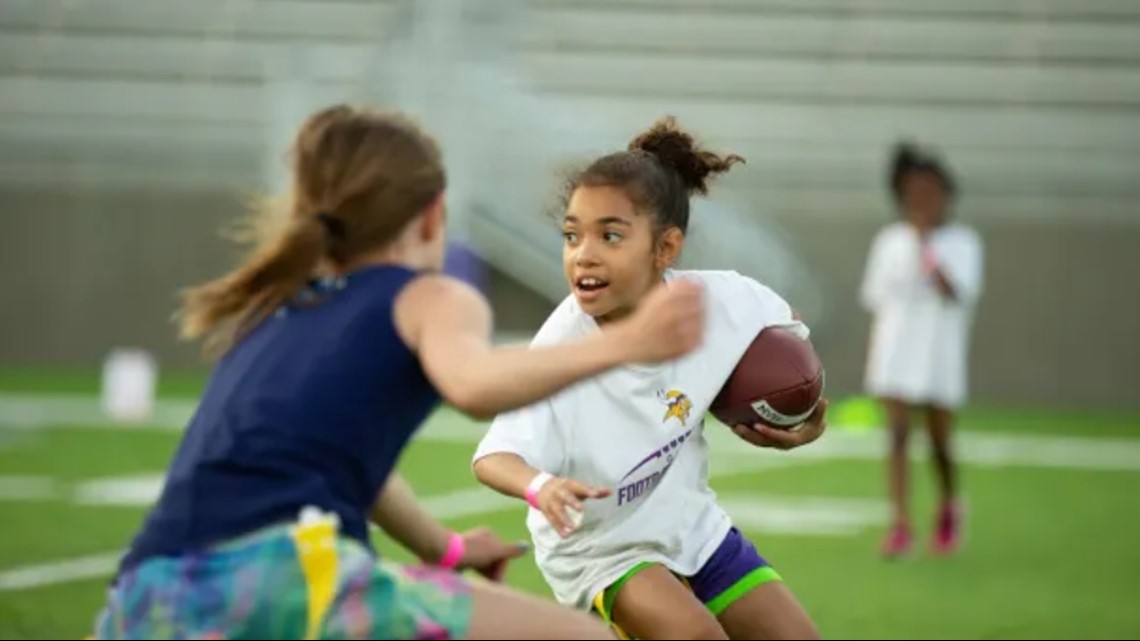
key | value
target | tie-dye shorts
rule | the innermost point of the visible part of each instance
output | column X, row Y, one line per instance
column 282, row 584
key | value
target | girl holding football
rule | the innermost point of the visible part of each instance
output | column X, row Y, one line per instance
column 615, row 468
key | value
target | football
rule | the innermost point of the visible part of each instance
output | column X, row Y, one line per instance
column 778, row 382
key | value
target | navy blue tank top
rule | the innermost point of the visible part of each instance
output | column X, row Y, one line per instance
column 313, row 407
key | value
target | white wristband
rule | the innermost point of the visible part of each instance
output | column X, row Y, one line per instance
column 535, row 485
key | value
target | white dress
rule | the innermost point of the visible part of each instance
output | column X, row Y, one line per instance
column 919, row 338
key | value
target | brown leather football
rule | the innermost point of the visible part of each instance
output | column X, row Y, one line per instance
column 778, row 382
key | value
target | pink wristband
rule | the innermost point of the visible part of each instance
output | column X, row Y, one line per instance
column 929, row 259
column 456, row 547
column 535, row 485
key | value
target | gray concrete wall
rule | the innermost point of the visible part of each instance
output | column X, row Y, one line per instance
column 85, row 271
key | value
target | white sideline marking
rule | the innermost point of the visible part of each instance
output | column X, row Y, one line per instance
column 825, row 516
column 36, row 411
column 140, row 490
column 775, row 514
column 27, row 488
column 772, row 514
column 33, row 576
column 29, row 411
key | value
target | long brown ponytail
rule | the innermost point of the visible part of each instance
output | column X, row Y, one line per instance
column 359, row 177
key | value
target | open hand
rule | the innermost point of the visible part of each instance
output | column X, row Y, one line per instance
column 559, row 496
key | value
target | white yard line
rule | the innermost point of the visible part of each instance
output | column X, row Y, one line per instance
column 142, row 489
column 35, row 411
column 27, row 488
column 823, row 515
column 93, row 566
column 991, row 449
column 802, row 515
column 777, row 515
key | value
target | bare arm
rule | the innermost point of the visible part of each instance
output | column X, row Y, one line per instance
column 559, row 499
column 945, row 287
column 505, row 473
column 401, row 517
column 956, row 269
column 448, row 324
column 932, row 268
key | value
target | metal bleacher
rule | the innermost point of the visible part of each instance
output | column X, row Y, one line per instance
column 1037, row 102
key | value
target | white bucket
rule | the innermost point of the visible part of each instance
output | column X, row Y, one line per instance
column 130, row 378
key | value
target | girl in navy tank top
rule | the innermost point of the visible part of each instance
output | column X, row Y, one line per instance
column 334, row 340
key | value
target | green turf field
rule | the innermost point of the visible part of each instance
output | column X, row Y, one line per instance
column 1052, row 552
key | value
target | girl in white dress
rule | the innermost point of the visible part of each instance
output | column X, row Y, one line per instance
column 921, row 284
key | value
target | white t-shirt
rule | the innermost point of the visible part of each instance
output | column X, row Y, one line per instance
column 638, row 430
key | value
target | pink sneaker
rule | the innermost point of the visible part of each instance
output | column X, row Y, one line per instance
column 947, row 531
column 897, row 542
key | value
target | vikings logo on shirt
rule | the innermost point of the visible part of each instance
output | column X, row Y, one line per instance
column 678, row 405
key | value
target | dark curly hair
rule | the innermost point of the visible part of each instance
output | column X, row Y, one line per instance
column 910, row 158
column 660, row 170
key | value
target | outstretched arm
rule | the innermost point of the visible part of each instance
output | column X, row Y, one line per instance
column 505, row 473
column 400, row 515
column 559, row 499
column 449, row 325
